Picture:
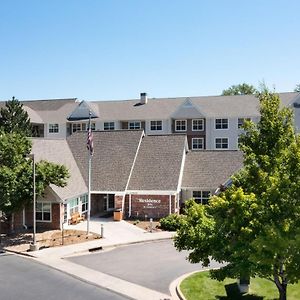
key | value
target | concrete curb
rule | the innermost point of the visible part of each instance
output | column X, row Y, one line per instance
column 174, row 287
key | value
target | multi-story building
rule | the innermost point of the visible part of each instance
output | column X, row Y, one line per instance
column 211, row 123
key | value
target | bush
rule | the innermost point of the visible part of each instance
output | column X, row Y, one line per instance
column 171, row 222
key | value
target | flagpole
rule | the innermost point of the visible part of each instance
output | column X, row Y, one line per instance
column 89, row 182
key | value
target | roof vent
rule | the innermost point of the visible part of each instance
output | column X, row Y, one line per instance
column 144, row 98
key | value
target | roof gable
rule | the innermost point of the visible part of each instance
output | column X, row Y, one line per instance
column 82, row 112
column 114, row 153
column 187, row 110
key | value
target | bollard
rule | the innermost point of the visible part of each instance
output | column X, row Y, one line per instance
column 151, row 224
column 102, row 231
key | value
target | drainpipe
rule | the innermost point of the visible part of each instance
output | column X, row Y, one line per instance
column 129, row 213
column 170, row 204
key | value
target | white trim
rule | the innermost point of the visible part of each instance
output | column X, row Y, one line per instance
column 182, row 167
column 222, row 128
column 150, row 192
column 55, row 131
column 45, row 221
column 176, row 126
column 119, row 193
column 198, row 149
column 197, row 130
column 222, row 148
column 129, row 204
column 140, row 126
column 131, row 170
column 156, row 130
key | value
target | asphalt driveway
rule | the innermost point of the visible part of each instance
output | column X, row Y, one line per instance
column 153, row 265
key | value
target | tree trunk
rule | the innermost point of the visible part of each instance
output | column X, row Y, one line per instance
column 282, row 292
column 12, row 223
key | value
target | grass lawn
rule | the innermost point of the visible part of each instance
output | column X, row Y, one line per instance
column 200, row 286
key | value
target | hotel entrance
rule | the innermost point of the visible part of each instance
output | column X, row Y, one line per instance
column 102, row 204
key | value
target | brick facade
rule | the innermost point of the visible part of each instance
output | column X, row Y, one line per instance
column 151, row 206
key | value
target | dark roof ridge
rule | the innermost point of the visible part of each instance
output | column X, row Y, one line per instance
column 53, row 99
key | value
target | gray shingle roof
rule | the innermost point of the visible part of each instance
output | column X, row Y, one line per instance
column 208, row 169
column 58, row 151
column 114, row 153
column 163, row 108
column 158, row 163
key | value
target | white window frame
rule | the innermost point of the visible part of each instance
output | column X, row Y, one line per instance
column 197, row 120
column 53, row 128
column 136, row 125
column 154, row 126
column 42, row 211
column 201, row 198
column 75, row 208
column 240, row 124
column 197, row 149
column 110, row 125
column 185, row 125
column 84, row 203
column 222, row 124
column 222, row 138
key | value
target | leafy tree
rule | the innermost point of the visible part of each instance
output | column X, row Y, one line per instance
column 13, row 118
column 240, row 89
column 297, row 88
column 16, row 173
column 254, row 225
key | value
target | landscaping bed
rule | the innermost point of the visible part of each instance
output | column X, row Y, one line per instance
column 145, row 225
column 200, row 286
column 20, row 242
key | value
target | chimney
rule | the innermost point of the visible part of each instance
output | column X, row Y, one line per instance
column 144, row 98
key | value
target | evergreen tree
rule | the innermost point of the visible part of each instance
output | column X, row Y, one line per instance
column 13, row 118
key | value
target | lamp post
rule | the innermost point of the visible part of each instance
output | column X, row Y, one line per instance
column 33, row 246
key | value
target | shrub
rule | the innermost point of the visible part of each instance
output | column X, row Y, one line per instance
column 171, row 222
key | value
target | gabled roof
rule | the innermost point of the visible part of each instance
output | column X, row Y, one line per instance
column 164, row 108
column 114, row 153
column 58, row 151
column 158, row 163
column 209, row 169
column 82, row 112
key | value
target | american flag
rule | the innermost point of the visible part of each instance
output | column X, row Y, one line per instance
column 89, row 142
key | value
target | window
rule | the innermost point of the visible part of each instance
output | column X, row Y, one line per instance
column 241, row 121
column 221, row 123
column 73, row 206
column 53, row 128
column 221, row 143
column 197, row 143
column 156, row 125
column 135, row 125
column 93, row 126
column 84, row 203
column 201, row 197
column 43, row 211
column 109, row 125
column 198, row 125
column 180, row 125
column 76, row 127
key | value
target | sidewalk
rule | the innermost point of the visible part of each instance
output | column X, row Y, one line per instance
column 115, row 234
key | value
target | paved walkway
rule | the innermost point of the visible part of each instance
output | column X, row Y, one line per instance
column 115, row 234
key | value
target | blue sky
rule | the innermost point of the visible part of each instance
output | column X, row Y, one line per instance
column 115, row 49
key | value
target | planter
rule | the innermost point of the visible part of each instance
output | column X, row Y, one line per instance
column 118, row 215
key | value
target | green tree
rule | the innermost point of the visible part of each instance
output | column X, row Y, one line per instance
column 240, row 89
column 13, row 118
column 254, row 225
column 297, row 88
column 16, row 173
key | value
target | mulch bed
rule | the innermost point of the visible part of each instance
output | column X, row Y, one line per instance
column 145, row 225
column 20, row 242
